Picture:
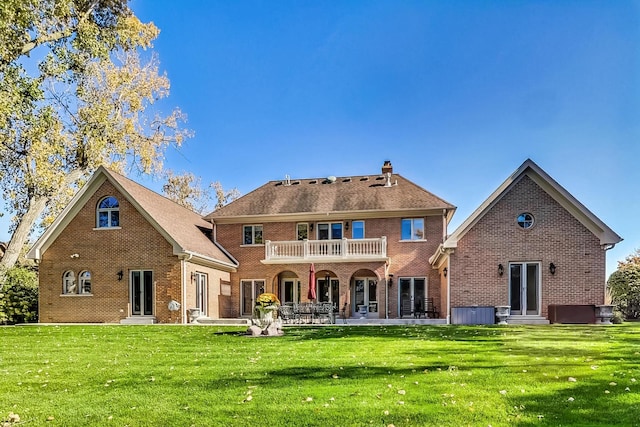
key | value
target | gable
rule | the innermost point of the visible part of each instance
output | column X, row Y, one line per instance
column 606, row 236
column 186, row 232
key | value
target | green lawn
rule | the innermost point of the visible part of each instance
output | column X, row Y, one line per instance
column 324, row 376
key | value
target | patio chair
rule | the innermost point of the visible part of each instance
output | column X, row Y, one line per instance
column 286, row 314
column 418, row 310
column 431, row 310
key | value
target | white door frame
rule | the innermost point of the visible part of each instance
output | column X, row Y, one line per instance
column 142, row 310
column 524, row 287
column 258, row 286
column 373, row 305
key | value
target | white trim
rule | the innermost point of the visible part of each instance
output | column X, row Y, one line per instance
column 79, row 201
column 523, row 272
column 333, row 216
column 107, row 228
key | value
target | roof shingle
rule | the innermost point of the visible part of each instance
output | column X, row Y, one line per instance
column 320, row 195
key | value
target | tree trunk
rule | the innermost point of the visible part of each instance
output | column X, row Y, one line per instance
column 21, row 234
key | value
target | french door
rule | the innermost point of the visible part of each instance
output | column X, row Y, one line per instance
column 413, row 293
column 141, row 292
column 524, row 288
column 290, row 291
column 201, row 293
column 365, row 297
column 249, row 292
column 328, row 290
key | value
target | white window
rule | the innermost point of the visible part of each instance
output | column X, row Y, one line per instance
column 69, row 285
column 252, row 235
column 108, row 214
column 357, row 229
column 412, row 229
column 330, row 231
column 85, row 282
column 302, row 230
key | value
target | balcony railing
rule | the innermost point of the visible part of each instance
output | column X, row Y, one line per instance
column 326, row 250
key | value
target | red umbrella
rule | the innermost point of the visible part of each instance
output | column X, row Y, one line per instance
column 312, row 283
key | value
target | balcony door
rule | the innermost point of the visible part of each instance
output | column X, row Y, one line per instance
column 524, row 288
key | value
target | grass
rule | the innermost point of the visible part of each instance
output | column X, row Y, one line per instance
column 321, row 376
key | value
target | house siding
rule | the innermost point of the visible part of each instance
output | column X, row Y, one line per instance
column 557, row 237
column 104, row 252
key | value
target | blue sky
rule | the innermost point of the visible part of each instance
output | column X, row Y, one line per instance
column 456, row 94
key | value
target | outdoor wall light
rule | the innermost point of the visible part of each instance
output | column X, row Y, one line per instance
column 390, row 280
column 120, row 274
column 311, row 227
column 445, row 271
column 552, row 268
column 346, row 225
column 500, row 270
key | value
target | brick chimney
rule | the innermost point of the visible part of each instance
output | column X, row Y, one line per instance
column 387, row 167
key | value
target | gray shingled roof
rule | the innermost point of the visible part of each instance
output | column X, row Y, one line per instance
column 345, row 194
column 184, row 226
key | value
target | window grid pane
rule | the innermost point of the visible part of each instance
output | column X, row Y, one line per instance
column 357, row 229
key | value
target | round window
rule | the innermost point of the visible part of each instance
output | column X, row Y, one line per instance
column 525, row 220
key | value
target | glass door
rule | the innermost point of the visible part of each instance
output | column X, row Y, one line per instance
column 328, row 290
column 290, row 291
column 250, row 290
column 524, row 288
column 141, row 293
column 201, row 293
column 413, row 294
column 365, row 296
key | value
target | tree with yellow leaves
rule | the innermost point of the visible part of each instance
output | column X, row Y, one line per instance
column 75, row 94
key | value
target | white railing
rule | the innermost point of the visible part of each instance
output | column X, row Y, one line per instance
column 318, row 250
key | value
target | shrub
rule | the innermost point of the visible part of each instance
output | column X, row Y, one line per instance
column 624, row 286
column 19, row 296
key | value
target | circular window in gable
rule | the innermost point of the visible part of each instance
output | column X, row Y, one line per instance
column 525, row 220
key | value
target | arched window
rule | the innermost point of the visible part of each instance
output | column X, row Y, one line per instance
column 85, row 282
column 108, row 214
column 69, row 283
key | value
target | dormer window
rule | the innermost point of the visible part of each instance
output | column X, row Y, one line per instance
column 108, row 215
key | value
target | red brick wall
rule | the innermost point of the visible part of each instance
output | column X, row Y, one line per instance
column 104, row 252
column 408, row 259
column 557, row 237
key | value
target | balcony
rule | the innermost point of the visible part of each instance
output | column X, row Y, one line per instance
column 344, row 250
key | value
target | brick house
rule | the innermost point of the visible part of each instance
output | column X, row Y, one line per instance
column 369, row 239
column 120, row 252
column 530, row 245
column 378, row 245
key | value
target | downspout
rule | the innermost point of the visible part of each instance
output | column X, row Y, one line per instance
column 386, row 288
column 444, row 225
column 183, row 266
column 449, row 272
